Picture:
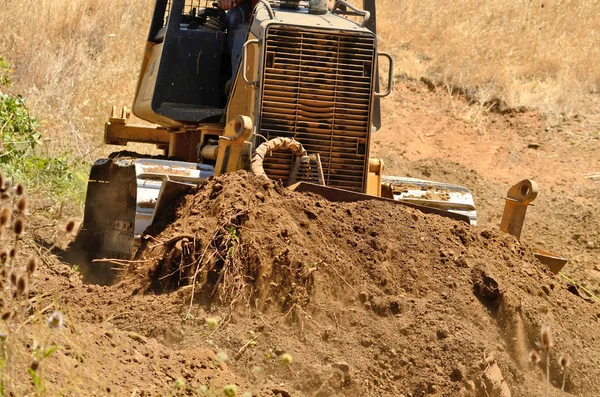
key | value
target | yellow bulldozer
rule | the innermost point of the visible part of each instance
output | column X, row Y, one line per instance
column 292, row 93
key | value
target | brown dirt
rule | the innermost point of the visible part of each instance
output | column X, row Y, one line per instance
column 370, row 299
column 434, row 135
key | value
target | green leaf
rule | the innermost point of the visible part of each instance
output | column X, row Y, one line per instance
column 48, row 352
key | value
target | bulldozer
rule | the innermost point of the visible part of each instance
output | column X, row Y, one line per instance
column 291, row 93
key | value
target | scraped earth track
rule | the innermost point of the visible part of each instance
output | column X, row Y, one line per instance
column 370, row 299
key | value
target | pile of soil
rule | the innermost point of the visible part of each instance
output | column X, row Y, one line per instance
column 370, row 298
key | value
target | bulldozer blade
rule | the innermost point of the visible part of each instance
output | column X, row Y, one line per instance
column 553, row 261
column 443, row 196
column 518, row 199
column 170, row 191
column 340, row 195
column 110, row 208
column 121, row 200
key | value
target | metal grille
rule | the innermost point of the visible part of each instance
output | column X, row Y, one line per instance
column 317, row 89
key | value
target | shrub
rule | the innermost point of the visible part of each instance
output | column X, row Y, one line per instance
column 24, row 154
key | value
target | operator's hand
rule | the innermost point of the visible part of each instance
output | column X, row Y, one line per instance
column 227, row 4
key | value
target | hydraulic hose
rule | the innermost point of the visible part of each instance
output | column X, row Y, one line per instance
column 274, row 145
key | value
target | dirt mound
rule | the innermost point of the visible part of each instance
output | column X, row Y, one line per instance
column 371, row 298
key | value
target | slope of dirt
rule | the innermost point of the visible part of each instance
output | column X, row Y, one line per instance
column 434, row 135
column 94, row 350
column 369, row 298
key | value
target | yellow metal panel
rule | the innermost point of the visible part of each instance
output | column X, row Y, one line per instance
column 142, row 106
column 374, row 178
column 117, row 132
column 231, row 145
column 243, row 96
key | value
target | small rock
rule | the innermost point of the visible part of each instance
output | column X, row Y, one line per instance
column 442, row 333
column 461, row 261
column 363, row 296
column 342, row 366
column 591, row 244
column 137, row 337
column 137, row 357
column 533, row 145
column 470, row 385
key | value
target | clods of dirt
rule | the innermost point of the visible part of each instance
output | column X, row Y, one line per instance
column 413, row 304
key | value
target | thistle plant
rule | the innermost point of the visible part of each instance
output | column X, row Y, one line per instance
column 546, row 344
column 15, row 301
column 564, row 361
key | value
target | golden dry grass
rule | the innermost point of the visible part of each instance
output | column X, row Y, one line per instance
column 522, row 53
column 72, row 60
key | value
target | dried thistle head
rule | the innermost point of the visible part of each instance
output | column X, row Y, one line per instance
column 564, row 360
column 22, row 204
column 18, row 226
column 23, row 284
column 3, row 256
column 534, row 357
column 4, row 216
column 70, row 226
column 5, row 196
column 546, row 338
column 12, row 252
column 35, row 364
column 19, row 189
column 6, row 315
column 32, row 264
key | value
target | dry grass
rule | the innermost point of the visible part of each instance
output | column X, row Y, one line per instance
column 526, row 53
column 73, row 60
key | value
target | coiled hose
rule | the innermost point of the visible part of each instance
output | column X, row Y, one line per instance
column 274, row 145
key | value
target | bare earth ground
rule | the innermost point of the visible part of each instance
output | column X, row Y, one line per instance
column 369, row 299
column 434, row 135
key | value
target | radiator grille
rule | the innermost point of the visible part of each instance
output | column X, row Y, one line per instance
column 317, row 89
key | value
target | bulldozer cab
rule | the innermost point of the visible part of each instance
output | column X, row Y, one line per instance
column 186, row 65
column 191, row 59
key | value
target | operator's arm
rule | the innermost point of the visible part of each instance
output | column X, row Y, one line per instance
column 227, row 4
